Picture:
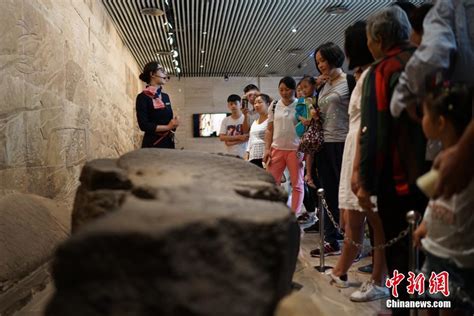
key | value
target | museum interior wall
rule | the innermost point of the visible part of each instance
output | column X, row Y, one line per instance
column 208, row 95
column 67, row 83
column 68, row 87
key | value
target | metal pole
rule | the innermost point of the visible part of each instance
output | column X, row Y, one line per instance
column 412, row 219
column 321, row 267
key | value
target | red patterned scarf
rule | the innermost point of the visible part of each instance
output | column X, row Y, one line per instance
column 155, row 94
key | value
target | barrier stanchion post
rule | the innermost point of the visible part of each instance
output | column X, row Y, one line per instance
column 412, row 219
column 321, row 267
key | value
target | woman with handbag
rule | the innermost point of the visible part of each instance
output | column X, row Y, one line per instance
column 154, row 113
column 333, row 101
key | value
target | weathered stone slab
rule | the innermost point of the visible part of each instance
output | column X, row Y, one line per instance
column 29, row 232
column 190, row 234
column 30, row 229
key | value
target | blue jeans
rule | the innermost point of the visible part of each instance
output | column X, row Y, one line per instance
column 461, row 282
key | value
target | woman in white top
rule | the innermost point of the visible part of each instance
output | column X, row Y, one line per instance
column 359, row 59
column 256, row 144
column 281, row 141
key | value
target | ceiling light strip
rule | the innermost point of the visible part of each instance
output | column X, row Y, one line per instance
column 245, row 48
column 268, row 47
column 198, row 54
column 133, row 21
column 123, row 31
column 227, row 42
column 133, row 42
column 203, row 40
column 266, row 43
column 158, row 33
column 190, row 35
column 171, row 14
column 294, row 39
column 214, row 34
column 281, row 15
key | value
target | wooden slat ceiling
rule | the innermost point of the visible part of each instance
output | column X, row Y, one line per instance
column 235, row 37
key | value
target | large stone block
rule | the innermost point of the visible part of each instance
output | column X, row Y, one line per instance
column 176, row 233
column 29, row 233
column 30, row 230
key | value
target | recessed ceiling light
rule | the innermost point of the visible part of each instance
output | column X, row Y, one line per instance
column 204, row 33
column 266, row 65
column 294, row 30
column 203, row 51
column 202, row 66
column 279, row 50
column 152, row 11
column 295, row 51
column 336, row 10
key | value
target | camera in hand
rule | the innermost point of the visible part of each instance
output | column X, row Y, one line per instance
column 245, row 103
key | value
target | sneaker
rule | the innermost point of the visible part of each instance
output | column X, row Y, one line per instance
column 329, row 250
column 303, row 217
column 310, row 221
column 357, row 259
column 369, row 292
column 338, row 281
column 312, row 229
column 366, row 269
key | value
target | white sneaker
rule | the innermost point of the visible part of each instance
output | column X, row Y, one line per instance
column 339, row 281
column 369, row 292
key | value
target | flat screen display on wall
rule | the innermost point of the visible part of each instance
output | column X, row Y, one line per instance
column 207, row 124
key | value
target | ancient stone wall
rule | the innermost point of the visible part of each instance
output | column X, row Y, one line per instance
column 67, row 94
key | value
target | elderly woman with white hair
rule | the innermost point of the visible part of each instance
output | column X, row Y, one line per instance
column 391, row 149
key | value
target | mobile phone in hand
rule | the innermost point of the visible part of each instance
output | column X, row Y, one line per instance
column 245, row 103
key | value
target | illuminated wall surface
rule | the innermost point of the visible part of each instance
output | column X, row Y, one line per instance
column 67, row 95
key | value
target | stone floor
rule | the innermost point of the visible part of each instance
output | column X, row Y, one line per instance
column 38, row 303
column 329, row 299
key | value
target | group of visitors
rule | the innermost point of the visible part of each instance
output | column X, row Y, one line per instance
column 366, row 138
